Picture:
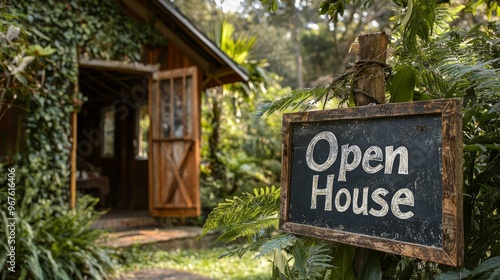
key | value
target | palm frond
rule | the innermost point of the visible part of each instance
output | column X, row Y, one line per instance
column 306, row 97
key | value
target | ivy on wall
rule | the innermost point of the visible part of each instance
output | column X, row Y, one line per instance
column 53, row 241
column 91, row 29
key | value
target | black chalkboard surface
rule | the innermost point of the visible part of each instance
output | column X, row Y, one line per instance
column 386, row 177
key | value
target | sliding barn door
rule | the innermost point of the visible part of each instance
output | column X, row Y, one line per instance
column 174, row 155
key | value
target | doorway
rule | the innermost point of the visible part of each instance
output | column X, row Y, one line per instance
column 113, row 138
column 138, row 139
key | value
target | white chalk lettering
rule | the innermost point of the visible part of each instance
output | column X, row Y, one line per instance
column 351, row 157
column 332, row 156
column 344, row 166
column 364, row 204
column 342, row 208
column 328, row 192
column 397, row 200
column 372, row 153
column 380, row 201
column 391, row 155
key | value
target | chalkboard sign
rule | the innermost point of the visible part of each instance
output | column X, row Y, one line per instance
column 386, row 177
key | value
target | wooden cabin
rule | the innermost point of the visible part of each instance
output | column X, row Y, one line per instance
column 138, row 131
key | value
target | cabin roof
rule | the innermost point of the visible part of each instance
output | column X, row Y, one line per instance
column 219, row 68
column 204, row 44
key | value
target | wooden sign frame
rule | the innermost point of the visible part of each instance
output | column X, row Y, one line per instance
column 451, row 252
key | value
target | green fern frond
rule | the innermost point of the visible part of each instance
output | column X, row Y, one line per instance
column 248, row 229
column 307, row 259
column 433, row 81
column 311, row 259
column 244, row 216
column 485, row 78
column 281, row 266
column 280, row 242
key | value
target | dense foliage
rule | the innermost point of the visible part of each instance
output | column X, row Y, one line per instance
column 239, row 152
column 438, row 53
column 53, row 241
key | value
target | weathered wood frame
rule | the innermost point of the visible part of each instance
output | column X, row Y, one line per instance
column 451, row 252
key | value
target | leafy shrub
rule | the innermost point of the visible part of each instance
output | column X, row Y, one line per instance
column 55, row 242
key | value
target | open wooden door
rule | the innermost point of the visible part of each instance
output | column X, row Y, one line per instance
column 175, row 144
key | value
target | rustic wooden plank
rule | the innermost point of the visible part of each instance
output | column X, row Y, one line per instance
column 452, row 181
column 180, row 182
column 285, row 170
column 370, row 112
column 411, row 250
column 176, row 211
column 180, row 165
column 196, row 80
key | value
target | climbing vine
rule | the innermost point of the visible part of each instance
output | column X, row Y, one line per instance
column 90, row 29
column 66, row 30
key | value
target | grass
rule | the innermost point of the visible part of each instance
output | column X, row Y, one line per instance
column 204, row 262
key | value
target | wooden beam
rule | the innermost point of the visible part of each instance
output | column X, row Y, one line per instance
column 93, row 89
column 134, row 67
column 125, row 85
column 112, row 90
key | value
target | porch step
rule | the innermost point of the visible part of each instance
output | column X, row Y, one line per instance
column 123, row 223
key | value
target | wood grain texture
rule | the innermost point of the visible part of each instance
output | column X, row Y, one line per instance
column 174, row 157
column 370, row 78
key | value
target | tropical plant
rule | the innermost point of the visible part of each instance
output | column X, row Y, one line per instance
column 432, row 59
column 238, row 152
column 54, row 244
column 19, row 73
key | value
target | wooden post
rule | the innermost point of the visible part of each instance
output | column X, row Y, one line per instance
column 74, row 117
column 369, row 82
column 369, row 88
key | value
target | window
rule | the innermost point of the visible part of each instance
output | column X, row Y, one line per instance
column 108, row 141
column 142, row 132
column 176, row 107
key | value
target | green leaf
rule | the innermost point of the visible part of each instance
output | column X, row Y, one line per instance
column 494, row 275
column 274, row 6
column 281, row 242
column 454, row 275
column 342, row 263
column 489, row 264
column 371, row 269
column 401, row 85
